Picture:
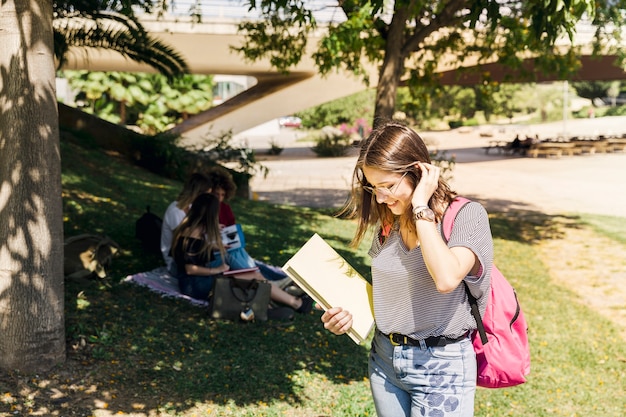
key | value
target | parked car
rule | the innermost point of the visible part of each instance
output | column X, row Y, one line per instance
column 290, row 121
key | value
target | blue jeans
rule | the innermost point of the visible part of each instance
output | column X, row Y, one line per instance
column 431, row 382
column 196, row 286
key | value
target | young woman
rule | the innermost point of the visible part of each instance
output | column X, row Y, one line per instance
column 196, row 240
column 224, row 189
column 195, row 185
column 422, row 361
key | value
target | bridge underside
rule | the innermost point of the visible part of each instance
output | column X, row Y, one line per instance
column 277, row 94
column 593, row 68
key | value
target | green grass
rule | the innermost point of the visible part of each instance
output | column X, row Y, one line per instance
column 612, row 227
column 133, row 352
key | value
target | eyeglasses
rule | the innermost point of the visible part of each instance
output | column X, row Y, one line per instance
column 384, row 191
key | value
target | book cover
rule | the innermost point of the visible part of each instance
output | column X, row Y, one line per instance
column 240, row 271
column 332, row 282
column 232, row 237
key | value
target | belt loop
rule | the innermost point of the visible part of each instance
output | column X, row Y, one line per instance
column 423, row 344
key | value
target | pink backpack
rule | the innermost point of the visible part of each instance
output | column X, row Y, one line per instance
column 501, row 340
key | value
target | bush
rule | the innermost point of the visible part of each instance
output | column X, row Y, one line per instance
column 332, row 142
column 343, row 110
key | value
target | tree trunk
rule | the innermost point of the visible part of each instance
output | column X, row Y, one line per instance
column 391, row 70
column 32, row 332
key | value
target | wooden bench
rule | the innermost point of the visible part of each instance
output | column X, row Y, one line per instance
column 617, row 144
column 555, row 149
column 582, row 147
column 535, row 152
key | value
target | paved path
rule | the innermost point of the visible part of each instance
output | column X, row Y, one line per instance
column 579, row 184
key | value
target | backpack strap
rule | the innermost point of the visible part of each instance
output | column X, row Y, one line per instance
column 446, row 230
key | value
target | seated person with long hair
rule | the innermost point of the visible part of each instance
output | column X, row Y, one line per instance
column 195, row 185
column 196, row 240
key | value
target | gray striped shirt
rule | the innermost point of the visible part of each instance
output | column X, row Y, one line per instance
column 406, row 300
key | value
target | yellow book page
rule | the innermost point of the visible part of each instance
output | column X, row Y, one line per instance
column 328, row 278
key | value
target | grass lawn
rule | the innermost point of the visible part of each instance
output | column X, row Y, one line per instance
column 131, row 352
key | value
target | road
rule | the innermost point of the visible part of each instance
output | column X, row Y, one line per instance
column 578, row 184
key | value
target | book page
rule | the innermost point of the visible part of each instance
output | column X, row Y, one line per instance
column 328, row 278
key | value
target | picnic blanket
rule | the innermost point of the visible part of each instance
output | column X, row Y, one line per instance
column 162, row 282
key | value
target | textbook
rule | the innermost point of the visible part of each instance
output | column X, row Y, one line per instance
column 232, row 237
column 240, row 271
column 329, row 280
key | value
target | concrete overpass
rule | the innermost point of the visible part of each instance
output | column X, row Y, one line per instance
column 206, row 48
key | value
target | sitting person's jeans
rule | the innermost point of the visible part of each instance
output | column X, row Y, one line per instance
column 196, row 286
column 240, row 259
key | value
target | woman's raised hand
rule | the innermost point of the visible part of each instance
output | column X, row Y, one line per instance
column 427, row 184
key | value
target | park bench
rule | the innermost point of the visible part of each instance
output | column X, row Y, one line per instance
column 555, row 149
column 616, row 144
column 584, row 147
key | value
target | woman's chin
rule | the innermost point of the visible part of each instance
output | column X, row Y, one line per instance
column 395, row 208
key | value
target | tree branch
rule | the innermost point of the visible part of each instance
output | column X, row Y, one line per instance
column 447, row 18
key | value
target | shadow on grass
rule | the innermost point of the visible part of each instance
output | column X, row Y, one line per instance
column 144, row 349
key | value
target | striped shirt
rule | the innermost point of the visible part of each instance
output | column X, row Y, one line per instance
column 406, row 300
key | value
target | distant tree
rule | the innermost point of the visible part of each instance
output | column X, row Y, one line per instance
column 591, row 89
column 505, row 99
column 343, row 110
column 409, row 40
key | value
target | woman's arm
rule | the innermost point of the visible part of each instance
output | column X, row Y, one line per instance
column 447, row 266
column 192, row 269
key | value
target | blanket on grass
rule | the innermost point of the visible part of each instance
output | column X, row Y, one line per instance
column 162, row 282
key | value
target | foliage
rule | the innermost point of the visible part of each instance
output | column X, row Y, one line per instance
column 331, row 141
column 591, row 89
column 343, row 110
column 111, row 25
column 616, row 111
column 241, row 158
column 275, row 148
column 409, row 41
column 152, row 102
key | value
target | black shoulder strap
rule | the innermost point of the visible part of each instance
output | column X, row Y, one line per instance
column 479, row 321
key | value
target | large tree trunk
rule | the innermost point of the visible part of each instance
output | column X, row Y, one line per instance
column 391, row 70
column 32, row 332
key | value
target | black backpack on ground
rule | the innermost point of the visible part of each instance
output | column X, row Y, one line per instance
column 148, row 231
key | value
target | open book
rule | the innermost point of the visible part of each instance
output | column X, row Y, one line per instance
column 320, row 271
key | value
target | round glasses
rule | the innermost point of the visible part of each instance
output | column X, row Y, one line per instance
column 384, row 191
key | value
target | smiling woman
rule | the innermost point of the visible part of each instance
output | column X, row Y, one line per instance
column 421, row 309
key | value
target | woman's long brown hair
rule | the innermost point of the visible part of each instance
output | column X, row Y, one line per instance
column 391, row 147
column 203, row 217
